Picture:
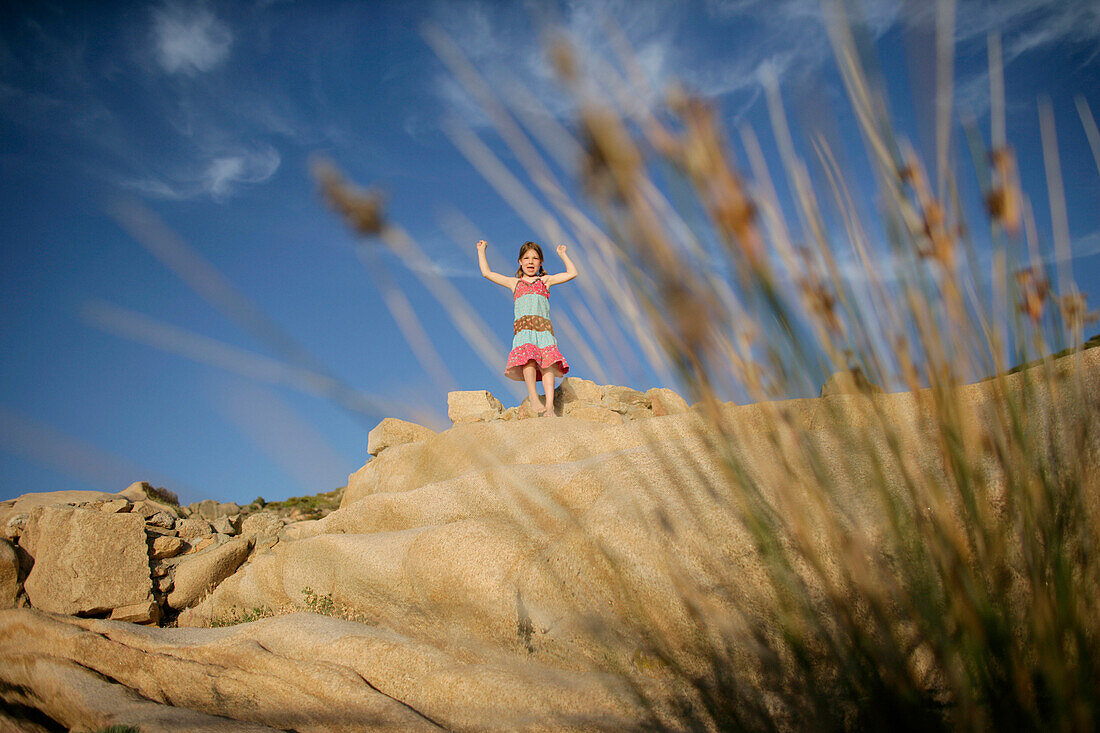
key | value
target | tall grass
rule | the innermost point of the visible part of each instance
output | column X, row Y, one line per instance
column 927, row 558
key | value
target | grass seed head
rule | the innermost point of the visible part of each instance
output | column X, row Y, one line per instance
column 361, row 209
column 1075, row 312
column 1003, row 200
column 1034, row 288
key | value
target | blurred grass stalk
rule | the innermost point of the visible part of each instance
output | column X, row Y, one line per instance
column 930, row 557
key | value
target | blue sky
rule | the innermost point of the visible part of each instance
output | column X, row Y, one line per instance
column 206, row 116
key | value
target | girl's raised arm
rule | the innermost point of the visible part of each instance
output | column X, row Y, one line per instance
column 503, row 280
column 562, row 277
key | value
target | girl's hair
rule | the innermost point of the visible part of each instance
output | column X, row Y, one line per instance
column 527, row 247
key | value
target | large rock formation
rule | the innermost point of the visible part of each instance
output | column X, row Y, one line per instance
column 118, row 555
column 486, row 573
column 299, row 672
column 86, row 561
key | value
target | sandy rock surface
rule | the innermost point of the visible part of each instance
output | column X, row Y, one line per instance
column 229, row 525
column 261, row 523
column 116, row 506
column 193, row 527
column 198, row 574
column 10, row 580
column 86, row 561
column 165, row 547
column 664, row 401
column 575, row 389
column 302, row 672
column 473, row 406
column 211, row 509
column 147, row 612
column 393, row 431
column 25, row 503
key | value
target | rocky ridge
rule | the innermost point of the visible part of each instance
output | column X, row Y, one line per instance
column 464, row 557
column 135, row 555
column 139, row 556
column 574, row 397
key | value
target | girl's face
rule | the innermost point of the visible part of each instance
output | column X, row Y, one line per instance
column 530, row 263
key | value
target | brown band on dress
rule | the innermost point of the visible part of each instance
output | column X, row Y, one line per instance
column 532, row 323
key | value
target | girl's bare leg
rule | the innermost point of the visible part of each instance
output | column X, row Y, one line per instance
column 548, row 388
column 529, row 377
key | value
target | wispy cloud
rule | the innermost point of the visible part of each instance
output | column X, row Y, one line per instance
column 207, row 130
column 217, row 175
column 785, row 37
column 1024, row 26
column 1028, row 24
column 224, row 172
column 1086, row 245
column 507, row 45
column 188, row 39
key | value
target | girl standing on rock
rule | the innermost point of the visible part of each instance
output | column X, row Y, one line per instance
column 534, row 354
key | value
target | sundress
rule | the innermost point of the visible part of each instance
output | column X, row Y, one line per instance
column 534, row 335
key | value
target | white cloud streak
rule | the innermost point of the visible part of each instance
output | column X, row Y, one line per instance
column 217, row 175
column 224, row 172
column 506, row 45
column 1024, row 26
column 786, row 36
column 1028, row 24
column 189, row 39
column 1086, row 245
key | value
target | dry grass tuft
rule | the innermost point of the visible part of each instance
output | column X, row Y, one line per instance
column 926, row 559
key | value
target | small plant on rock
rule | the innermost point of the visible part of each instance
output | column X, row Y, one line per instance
column 318, row 603
column 242, row 616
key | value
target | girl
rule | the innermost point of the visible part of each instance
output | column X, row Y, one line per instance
column 535, row 352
